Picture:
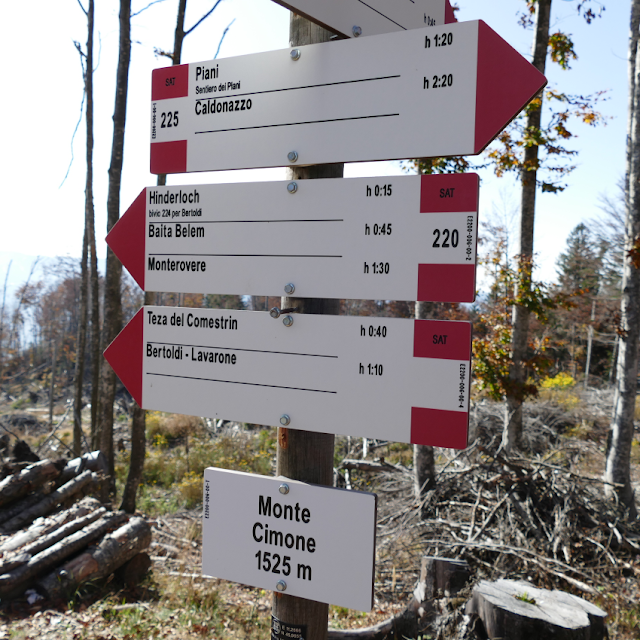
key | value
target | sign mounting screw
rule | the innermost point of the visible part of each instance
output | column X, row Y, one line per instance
column 287, row 321
column 283, row 489
column 292, row 156
column 357, row 31
column 289, row 288
column 292, row 187
column 281, row 585
column 275, row 312
column 295, row 54
column 285, row 421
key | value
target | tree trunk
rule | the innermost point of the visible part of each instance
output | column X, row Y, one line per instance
column 178, row 38
column 81, row 343
column 94, row 461
column 512, row 435
column 47, row 504
column 112, row 298
column 136, row 461
column 302, row 455
column 139, row 416
column 3, row 346
column 54, row 362
column 424, row 473
column 35, row 475
column 45, row 525
column 88, row 238
column 91, row 233
column 16, row 508
column 518, row 611
column 59, row 533
column 424, row 464
column 113, row 551
column 618, row 466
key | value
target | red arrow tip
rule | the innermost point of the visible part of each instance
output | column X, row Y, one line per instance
column 449, row 15
column 507, row 82
column 127, row 238
column 124, row 355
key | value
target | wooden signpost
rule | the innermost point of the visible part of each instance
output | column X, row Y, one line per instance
column 400, row 238
column 438, row 91
column 388, row 378
column 356, row 18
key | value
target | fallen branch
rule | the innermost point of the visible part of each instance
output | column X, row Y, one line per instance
column 371, row 467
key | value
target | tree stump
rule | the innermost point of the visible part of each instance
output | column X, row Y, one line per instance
column 515, row 610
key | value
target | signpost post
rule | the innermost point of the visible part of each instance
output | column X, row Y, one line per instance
column 388, row 378
column 438, row 91
column 400, row 238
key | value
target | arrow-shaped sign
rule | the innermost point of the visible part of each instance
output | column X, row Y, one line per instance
column 399, row 238
column 439, row 91
column 355, row 18
column 389, row 378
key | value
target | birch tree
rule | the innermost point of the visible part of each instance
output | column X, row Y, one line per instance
column 112, row 300
column 88, row 244
column 618, row 465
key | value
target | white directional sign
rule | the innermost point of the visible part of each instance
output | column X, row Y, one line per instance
column 389, row 378
column 400, row 238
column 438, row 91
column 302, row 540
column 355, row 18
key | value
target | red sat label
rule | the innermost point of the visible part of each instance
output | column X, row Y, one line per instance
column 442, row 339
column 170, row 82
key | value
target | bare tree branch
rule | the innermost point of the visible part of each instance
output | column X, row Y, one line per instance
column 224, row 33
column 73, row 137
column 137, row 13
column 83, row 9
column 160, row 53
column 204, row 17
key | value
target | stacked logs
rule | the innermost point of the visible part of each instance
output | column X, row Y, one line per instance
column 54, row 536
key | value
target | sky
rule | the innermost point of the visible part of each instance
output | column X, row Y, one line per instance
column 42, row 211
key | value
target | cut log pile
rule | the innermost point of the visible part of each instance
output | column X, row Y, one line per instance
column 54, row 536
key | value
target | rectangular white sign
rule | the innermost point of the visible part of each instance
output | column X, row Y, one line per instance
column 389, row 378
column 438, row 91
column 356, row 18
column 396, row 238
column 302, row 540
